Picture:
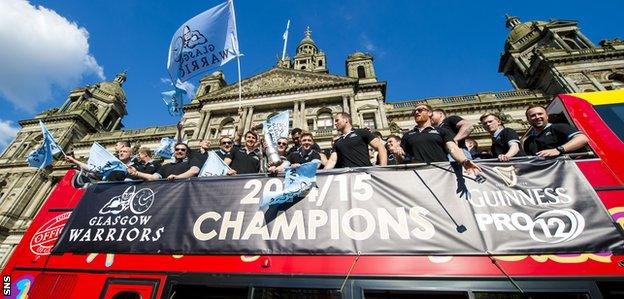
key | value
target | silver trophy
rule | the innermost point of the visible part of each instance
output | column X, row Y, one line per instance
column 273, row 156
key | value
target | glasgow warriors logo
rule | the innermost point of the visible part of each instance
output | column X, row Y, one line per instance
column 138, row 201
column 189, row 40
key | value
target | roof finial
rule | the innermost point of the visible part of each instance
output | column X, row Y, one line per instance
column 121, row 77
column 308, row 32
column 511, row 21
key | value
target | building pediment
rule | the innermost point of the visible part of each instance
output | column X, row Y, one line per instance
column 278, row 80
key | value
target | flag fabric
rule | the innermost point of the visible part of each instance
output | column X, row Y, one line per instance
column 206, row 41
column 104, row 163
column 165, row 149
column 285, row 35
column 213, row 166
column 43, row 156
column 297, row 183
column 47, row 137
column 276, row 127
column 174, row 99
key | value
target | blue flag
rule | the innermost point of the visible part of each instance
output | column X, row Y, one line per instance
column 104, row 163
column 297, row 183
column 165, row 149
column 213, row 166
column 206, row 41
column 42, row 156
column 276, row 127
column 174, row 99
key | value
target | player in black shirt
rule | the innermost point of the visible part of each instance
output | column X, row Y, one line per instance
column 550, row 140
column 245, row 159
column 306, row 152
column 426, row 143
column 183, row 167
column 505, row 141
column 351, row 148
column 460, row 127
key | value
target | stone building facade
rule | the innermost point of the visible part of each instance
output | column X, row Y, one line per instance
column 539, row 58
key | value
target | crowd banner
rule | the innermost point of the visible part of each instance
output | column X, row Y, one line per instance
column 525, row 207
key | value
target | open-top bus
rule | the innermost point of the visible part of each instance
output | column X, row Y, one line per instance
column 185, row 240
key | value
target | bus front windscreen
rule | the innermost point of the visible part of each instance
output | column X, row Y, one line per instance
column 613, row 116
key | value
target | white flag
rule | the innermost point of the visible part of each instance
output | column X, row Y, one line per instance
column 206, row 41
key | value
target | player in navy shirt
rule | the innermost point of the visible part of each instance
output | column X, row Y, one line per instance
column 550, row 140
column 505, row 141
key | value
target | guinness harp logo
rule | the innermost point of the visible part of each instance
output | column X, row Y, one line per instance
column 507, row 174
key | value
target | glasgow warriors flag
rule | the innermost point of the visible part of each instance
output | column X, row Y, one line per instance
column 213, row 166
column 276, row 127
column 43, row 155
column 297, row 182
column 207, row 41
column 165, row 149
column 104, row 163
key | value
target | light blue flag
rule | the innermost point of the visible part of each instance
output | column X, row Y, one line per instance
column 174, row 99
column 297, row 183
column 206, row 41
column 165, row 149
column 276, row 127
column 213, row 166
column 42, row 156
column 104, row 163
column 47, row 137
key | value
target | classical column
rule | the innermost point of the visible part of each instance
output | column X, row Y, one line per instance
column 203, row 125
column 591, row 78
column 249, row 118
column 304, row 122
column 345, row 104
column 295, row 116
column 382, row 113
column 354, row 113
column 38, row 199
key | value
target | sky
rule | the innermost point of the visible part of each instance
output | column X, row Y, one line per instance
column 421, row 48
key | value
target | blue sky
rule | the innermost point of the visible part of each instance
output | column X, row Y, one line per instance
column 422, row 49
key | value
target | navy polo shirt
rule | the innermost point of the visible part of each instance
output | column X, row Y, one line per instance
column 551, row 137
column 502, row 141
column 243, row 161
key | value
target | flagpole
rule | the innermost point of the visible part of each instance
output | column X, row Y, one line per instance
column 285, row 40
column 235, row 37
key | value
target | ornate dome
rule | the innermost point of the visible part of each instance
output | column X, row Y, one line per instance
column 359, row 55
column 307, row 39
column 521, row 30
column 114, row 87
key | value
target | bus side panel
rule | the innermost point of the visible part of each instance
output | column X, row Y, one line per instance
column 36, row 244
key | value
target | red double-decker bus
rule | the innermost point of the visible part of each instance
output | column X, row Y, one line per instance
column 34, row 271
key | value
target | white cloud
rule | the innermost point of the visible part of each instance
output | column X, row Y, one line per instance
column 367, row 43
column 41, row 50
column 7, row 133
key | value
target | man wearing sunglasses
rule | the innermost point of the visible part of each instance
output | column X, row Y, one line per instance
column 225, row 147
column 245, row 159
column 351, row 148
column 426, row 143
column 183, row 166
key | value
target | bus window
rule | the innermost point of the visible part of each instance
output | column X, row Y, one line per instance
column 611, row 289
column 376, row 294
column 613, row 116
column 183, row 291
column 127, row 295
column 283, row 293
column 543, row 295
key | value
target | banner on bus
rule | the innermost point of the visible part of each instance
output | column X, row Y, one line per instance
column 528, row 207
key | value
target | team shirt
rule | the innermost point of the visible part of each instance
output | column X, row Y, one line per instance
column 352, row 148
column 502, row 140
column 450, row 123
column 243, row 161
column 551, row 137
column 295, row 148
column 301, row 156
column 177, row 167
column 428, row 145
column 221, row 153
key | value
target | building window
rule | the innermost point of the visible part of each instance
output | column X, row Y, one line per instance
column 361, row 73
column 207, row 89
column 369, row 121
column 324, row 121
column 617, row 80
column 320, row 63
column 227, row 129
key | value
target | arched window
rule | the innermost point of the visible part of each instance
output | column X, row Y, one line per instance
column 617, row 80
column 227, row 128
column 324, row 120
column 571, row 43
column 361, row 73
column 207, row 89
column 320, row 63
